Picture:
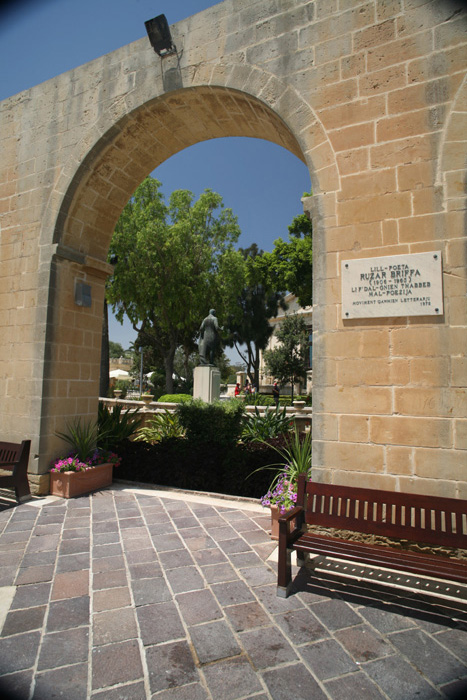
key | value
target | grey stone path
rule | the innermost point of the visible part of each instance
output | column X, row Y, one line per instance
column 130, row 595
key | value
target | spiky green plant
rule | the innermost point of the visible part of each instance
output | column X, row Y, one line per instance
column 82, row 438
column 115, row 426
column 161, row 426
column 263, row 426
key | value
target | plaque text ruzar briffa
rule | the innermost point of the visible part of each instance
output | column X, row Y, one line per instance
column 396, row 285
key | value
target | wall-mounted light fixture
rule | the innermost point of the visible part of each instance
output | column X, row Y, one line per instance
column 160, row 37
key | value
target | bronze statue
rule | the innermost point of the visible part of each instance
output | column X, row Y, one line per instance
column 209, row 341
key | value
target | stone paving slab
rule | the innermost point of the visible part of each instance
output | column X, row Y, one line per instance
column 133, row 594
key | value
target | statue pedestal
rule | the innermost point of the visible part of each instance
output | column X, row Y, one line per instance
column 206, row 383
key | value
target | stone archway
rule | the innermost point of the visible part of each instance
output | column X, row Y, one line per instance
column 370, row 96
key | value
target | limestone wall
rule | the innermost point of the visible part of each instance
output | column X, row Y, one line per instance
column 372, row 96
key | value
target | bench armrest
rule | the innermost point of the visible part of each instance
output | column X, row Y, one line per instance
column 290, row 514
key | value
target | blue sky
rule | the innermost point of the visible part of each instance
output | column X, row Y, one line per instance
column 260, row 181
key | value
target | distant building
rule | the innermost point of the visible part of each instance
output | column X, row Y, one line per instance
column 293, row 307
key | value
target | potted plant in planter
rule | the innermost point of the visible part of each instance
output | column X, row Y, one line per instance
column 282, row 493
column 86, row 468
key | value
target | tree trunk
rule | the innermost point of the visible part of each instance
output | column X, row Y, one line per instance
column 169, row 369
column 104, row 378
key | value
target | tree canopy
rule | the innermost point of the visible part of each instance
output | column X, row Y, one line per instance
column 287, row 361
column 172, row 263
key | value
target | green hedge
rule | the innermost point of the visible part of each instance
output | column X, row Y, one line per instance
column 219, row 422
column 267, row 400
column 174, row 398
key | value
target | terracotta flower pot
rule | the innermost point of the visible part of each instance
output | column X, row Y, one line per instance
column 275, row 513
column 70, row 484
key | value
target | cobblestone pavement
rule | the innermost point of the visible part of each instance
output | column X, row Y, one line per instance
column 128, row 594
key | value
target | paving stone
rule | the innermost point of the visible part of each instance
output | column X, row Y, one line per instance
column 170, row 665
column 172, row 560
column 109, row 579
column 8, row 575
column 193, row 691
column 107, row 666
column 185, row 522
column 16, row 686
column 258, row 575
column 31, row 595
column 70, row 584
column 209, row 521
column 457, row 690
column 75, row 533
column 75, row 546
column 327, row 659
column 106, row 538
column 301, row 626
column 43, row 543
column 232, row 679
column 111, row 599
column 198, row 606
column 455, row 640
column 385, row 620
column 256, row 537
column 100, row 528
column 108, row 564
column 150, row 590
column 273, row 604
column 18, row 621
column 106, row 550
column 133, row 691
column 232, row 593
column 399, row 680
column 234, row 546
column 194, row 544
column 157, row 529
column 59, row 648
column 167, row 543
column 160, row 623
column 54, row 529
column 247, row 616
column 214, row 641
column 150, row 569
column 218, row 573
column 363, row 643
column 136, row 522
column 18, row 652
column 142, row 556
column 204, row 557
column 39, row 559
column 267, row 647
column 422, row 650
column 265, row 550
column 137, row 543
column 336, row 614
column 68, row 614
column 221, row 534
column 73, row 562
column 293, row 682
column 245, row 559
column 114, row 626
column 35, row 574
column 186, row 578
column 355, row 685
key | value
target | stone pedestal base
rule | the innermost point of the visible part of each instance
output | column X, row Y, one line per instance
column 207, row 383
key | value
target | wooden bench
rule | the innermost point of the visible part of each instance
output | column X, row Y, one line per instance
column 14, row 458
column 424, row 519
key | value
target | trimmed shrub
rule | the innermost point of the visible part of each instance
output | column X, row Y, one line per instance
column 174, row 398
column 219, row 422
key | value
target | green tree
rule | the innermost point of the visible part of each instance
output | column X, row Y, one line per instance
column 258, row 303
column 173, row 262
column 287, row 361
column 115, row 349
column 289, row 267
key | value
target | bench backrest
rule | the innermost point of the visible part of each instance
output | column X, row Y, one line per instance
column 11, row 452
column 430, row 519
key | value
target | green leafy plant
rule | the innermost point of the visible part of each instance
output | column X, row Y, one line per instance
column 218, row 422
column 162, row 426
column 295, row 460
column 117, row 425
column 82, row 438
column 263, row 426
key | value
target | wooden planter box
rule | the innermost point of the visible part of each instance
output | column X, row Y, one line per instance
column 71, row 484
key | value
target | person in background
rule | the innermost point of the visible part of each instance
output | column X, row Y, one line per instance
column 275, row 393
column 237, row 389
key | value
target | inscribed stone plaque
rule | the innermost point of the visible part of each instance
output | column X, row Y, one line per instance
column 396, row 285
